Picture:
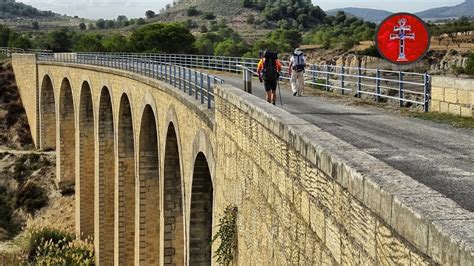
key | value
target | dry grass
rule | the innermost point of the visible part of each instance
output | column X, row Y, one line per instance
column 449, row 119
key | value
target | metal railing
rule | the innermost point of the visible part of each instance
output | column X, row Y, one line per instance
column 8, row 51
column 191, row 81
column 404, row 87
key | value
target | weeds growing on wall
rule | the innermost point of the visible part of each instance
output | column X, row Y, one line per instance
column 227, row 234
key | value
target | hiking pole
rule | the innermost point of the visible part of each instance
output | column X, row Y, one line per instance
column 279, row 92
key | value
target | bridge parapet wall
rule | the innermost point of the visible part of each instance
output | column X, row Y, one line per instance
column 308, row 198
column 452, row 96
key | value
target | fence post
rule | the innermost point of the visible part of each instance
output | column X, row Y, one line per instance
column 190, row 83
column 359, row 81
column 174, row 76
column 426, row 91
column 377, row 85
column 400, row 86
column 327, row 78
column 195, row 84
column 247, row 80
column 208, row 92
column 342, row 79
column 179, row 77
column 202, row 88
column 313, row 68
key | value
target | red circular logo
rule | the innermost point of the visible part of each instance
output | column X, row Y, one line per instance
column 402, row 38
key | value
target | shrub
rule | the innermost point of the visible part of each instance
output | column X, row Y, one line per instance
column 203, row 29
column 250, row 19
column 31, row 197
column 6, row 208
column 52, row 246
column 38, row 236
column 26, row 164
column 208, row 16
column 13, row 114
column 192, row 11
column 469, row 69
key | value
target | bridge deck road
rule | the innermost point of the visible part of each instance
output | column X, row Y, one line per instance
column 436, row 155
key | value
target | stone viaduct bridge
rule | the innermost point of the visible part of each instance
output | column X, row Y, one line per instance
column 154, row 169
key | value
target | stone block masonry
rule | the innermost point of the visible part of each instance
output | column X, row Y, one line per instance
column 452, row 96
column 163, row 168
column 305, row 197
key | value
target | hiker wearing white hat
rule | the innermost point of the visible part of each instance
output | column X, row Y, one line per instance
column 296, row 71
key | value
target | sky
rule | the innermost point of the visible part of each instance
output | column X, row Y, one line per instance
column 112, row 8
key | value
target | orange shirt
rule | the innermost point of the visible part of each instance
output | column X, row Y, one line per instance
column 278, row 65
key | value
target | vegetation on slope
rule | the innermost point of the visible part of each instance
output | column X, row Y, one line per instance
column 300, row 14
column 341, row 30
column 12, row 9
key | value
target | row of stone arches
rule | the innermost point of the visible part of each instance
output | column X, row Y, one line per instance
column 134, row 216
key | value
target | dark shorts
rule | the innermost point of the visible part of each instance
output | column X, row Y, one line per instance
column 270, row 85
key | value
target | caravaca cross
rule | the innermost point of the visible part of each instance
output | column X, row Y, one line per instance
column 402, row 34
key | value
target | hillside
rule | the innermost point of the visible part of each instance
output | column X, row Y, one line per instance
column 219, row 7
column 463, row 9
column 28, row 194
column 10, row 9
column 367, row 14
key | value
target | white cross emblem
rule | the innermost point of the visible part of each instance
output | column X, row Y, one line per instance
column 402, row 34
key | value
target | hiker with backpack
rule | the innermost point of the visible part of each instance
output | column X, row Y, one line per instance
column 268, row 70
column 296, row 71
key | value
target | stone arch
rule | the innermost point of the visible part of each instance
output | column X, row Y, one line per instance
column 85, row 177
column 67, row 136
column 200, row 229
column 173, row 201
column 202, row 144
column 149, row 212
column 47, row 115
column 106, row 181
column 126, row 184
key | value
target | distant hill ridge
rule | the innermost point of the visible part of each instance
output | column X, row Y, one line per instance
column 463, row 9
column 368, row 14
column 11, row 9
column 376, row 15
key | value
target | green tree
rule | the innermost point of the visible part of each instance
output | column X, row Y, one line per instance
column 247, row 3
column 82, row 26
column 60, row 40
column 116, row 43
column 204, row 46
column 4, row 35
column 203, row 28
column 150, row 14
column 230, row 47
column 250, row 19
column 469, row 69
column 109, row 24
column 100, row 24
column 89, row 43
column 288, row 39
column 141, row 21
column 18, row 41
column 162, row 37
column 192, row 11
column 122, row 21
column 208, row 16
column 35, row 25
